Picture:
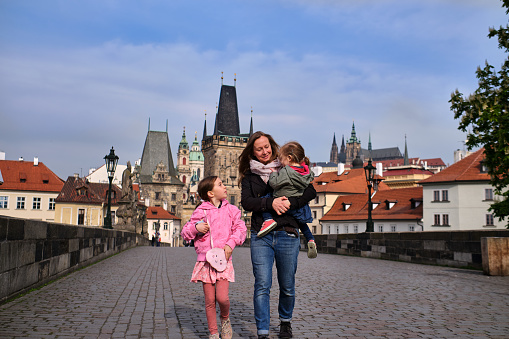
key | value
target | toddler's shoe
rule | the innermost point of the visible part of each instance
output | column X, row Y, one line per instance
column 267, row 226
column 312, row 253
column 226, row 329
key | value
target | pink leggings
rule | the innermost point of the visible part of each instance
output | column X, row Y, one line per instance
column 216, row 292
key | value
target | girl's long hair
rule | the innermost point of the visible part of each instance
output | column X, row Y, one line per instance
column 247, row 153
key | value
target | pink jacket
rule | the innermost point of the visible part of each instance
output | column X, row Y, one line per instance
column 225, row 223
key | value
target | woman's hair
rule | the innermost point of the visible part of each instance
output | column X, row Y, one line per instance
column 295, row 151
column 206, row 185
column 247, row 153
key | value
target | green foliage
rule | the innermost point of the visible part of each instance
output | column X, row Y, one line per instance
column 485, row 112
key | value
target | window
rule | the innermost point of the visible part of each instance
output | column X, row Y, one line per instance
column 437, row 219
column 355, row 228
column 445, row 219
column 445, row 195
column 346, row 206
column 166, row 226
column 184, row 179
column 36, row 203
column 436, row 195
column 411, row 228
column 158, row 195
column 3, row 202
column 173, row 208
column 393, row 228
column 184, row 161
column 51, row 206
column 232, row 199
column 314, row 214
column 380, row 228
column 173, row 196
column 346, row 228
column 317, row 200
column 81, row 216
column 488, row 194
column 489, row 220
column 20, row 204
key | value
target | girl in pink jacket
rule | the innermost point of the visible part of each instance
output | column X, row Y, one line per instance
column 216, row 213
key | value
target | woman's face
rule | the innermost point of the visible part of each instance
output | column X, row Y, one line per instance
column 262, row 150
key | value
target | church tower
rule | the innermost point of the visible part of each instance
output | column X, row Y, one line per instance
column 159, row 182
column 334, row 151
column 222, row 149
column 353, row 146
column 183, row 162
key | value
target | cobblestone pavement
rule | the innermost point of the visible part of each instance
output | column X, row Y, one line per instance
column 145, row 293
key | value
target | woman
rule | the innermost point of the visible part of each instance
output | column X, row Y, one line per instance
column 256, row 162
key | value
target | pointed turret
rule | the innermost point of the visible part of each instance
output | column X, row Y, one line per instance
column 205, row 126
column 406, row 162
column 183, row 143
column 227, row 118
column 251, row 125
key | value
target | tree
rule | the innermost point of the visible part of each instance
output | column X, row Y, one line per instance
column 485, row 112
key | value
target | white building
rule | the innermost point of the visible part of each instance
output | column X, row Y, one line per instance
column 100, row 175
column 28, row 189
column 169, row 225
column 458, row 197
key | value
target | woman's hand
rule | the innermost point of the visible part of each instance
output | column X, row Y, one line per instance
column 227, row 252
column 281, row 205
column 202, row 227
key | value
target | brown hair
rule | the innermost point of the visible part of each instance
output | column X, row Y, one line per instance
column 247, row 153
column 295, row 151
column 206, row 185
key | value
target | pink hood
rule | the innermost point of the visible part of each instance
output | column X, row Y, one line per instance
column 225, row 223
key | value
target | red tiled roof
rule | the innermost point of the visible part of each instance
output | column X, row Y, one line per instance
column 160, row 213
column 358, row 209
column 406, row 171
column 467, row 169
column 412, row 161
column 350, row 181
column 25, row 176
column 94, row 193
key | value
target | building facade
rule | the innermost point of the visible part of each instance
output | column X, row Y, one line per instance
column 459, row 197
column 164, row 222
column 28, row 190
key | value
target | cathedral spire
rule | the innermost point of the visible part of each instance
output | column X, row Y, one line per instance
column 251, row 125
column 205, row 126
column 369, row 143
column 334, row 150
column 406, row 162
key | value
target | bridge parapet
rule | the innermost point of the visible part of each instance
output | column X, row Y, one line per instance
column 33, row 252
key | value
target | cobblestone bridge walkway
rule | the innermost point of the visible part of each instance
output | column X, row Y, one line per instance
column 145, row 293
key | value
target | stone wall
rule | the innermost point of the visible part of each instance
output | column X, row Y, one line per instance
column 33, row 253
column 447, row 248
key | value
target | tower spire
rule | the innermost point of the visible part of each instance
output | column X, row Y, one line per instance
column 234, row 79
column 205, row 126
column 149, row 124
column 251, row 125
column 406, row 162
column 221, row 78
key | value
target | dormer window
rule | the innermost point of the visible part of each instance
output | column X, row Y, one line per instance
column 22, row 177
column 45, row 178
column 346, row 205
column 390, row 204
column 415, row 203
column 484, row 168
column 375, row 204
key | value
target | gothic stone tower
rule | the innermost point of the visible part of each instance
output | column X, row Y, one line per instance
column 222, row 149
column 159, row 183
column 334, row 151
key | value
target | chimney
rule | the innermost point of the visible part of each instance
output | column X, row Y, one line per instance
column 379, row 169
column 76, row 175
column 165, row 205
column 147, row 202
column 36, row 161
column 20, row 159
column 2, row 155
column 341, row 168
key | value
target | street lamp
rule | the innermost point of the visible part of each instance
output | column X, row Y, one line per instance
column 369, row 170
column 111, row 164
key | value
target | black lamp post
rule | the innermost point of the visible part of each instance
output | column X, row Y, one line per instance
column 143, row 212
column 111, row 164
column 369, row 170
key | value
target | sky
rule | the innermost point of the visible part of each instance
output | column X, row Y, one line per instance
column 79, row 77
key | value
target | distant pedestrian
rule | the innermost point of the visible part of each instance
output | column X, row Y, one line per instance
column 153, row 240
column 215, row 217
column 282, row 244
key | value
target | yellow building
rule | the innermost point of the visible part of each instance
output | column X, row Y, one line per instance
column 85, row 203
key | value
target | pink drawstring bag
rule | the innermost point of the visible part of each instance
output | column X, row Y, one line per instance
column 215, row 256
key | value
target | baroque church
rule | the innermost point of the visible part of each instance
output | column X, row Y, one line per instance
column 347, row 153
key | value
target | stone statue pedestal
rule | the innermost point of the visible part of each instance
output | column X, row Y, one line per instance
column 125, row 216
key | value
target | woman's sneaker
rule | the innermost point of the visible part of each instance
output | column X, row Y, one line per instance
column 312, row 253
column 267, row 226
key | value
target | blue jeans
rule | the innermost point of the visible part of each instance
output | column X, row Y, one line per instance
column 284, row 248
